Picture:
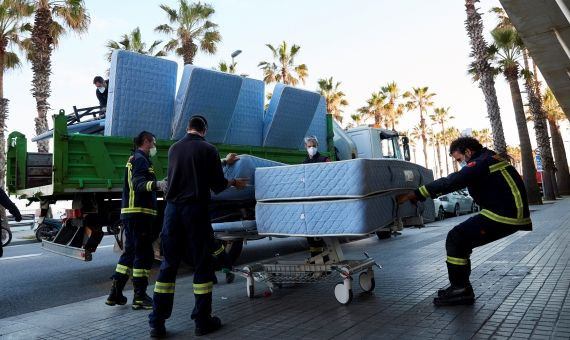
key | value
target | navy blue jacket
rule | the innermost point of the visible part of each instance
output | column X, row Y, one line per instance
column 8, row 204
column 139, row 188
column 494, row 184
column 317, row 158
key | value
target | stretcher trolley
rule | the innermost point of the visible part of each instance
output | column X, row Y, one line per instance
column 328, row 266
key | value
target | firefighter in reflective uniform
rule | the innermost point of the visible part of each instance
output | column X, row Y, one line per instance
column 498, row 189
column 138, row 210
column 194, row 168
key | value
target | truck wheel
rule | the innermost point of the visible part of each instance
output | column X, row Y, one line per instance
column 46, row 232
column 440, row 214
column 233, row 249
column 456, row 211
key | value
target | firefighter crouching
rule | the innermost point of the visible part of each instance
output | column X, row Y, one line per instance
column 498, row 189
column 138, row 211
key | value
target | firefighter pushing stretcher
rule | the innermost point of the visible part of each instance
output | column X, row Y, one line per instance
column 498, row 189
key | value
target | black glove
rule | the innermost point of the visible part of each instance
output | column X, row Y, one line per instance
column 16, row 214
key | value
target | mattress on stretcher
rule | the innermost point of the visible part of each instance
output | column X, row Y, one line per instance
column 141, row 95
column 342, row 179
column 243, row 168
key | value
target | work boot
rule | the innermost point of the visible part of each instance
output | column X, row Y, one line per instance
column 142, row 301
column 158, row 331
column 455, row 295
column 442, row 292
column 116, row 296
column 211, row 326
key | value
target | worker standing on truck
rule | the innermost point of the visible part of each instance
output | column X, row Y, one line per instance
column 12, row 208
column 316, row 244
column 194, row 168
column 498, row 189
column 138, row 211
column 102, row 91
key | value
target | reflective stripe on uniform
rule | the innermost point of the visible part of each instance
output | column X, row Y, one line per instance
column 164, row 287
column 219, row 251
column 131, row 190
column 203, row 288
column 138, row 210
column 123, row 269
column 506, row 220
column 424, row 191
column 149, row 186
column 316, row 249
column 137, row 272
column 457, row 261
column 502, row 166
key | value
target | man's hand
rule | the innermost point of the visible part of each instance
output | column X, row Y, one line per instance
column 409, row 196
column 162, row 185
column 239, row 183
column 231, row 158
column 17, row 215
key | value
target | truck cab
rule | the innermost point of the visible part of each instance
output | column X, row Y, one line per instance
column 369, row 142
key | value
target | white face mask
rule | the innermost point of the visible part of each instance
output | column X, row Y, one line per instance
column 152, row 151
column 312, row 151
column 101, row 89
column 463, row 163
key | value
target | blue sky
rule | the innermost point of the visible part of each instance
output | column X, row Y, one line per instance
column 364, row 44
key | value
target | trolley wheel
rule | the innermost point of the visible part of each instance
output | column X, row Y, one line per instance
column 250, row 291
column 366, row 281
column 342, row 294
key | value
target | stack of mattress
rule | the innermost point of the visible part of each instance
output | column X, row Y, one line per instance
column 353, row 197
column 208, row 93
column 318, row 127
column 141, row 95
column 246, row 126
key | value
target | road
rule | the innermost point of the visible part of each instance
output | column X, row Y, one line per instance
column 32, row 278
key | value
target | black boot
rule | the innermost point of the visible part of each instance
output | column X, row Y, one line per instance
column 460, row 291
column 116, row 296
column 208, row 327
column 141, row 300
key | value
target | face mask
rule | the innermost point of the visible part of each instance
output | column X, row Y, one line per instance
column 463, row 163
column 152, row 151
column 312, row 151
column 101, row 89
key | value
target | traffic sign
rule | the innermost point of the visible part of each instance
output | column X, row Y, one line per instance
column 538, row 163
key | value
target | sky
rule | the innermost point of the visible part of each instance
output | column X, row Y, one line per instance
column 363, row 44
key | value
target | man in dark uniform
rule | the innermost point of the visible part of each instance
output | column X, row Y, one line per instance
column 498, row 189
column 102, row 91
column 316, row 244
column 194, row 168
column 138, row 211
column 12, row 208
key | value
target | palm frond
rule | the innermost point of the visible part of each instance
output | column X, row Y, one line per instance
column 74, row 15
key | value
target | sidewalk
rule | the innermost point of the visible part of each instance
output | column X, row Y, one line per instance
column 521, row 285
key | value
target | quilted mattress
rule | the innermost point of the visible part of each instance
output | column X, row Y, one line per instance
column 141, row 95
column 289, row 116
column 344, row 179
column 318, row 127
column 209, row 93
column 243, row 168
column 246, row 126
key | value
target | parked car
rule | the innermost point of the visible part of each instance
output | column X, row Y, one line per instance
column 439, row 211
column 457, row 203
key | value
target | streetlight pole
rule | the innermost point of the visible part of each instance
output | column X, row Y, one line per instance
column 235, row 54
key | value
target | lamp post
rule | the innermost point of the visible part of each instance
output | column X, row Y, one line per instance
column 235, row 54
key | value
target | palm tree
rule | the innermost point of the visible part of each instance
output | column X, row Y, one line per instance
column 333, row 97
column 506, row 52
column 515, row 153
column 356, row 118
column 484, row 136
column 438, row 139
column 420, row 98
column 133, row 42
column 554, row 114
column 227, row 68
column 485, row 74
column 441, row 116
column 451, row 134
column 282, row 71
column 51, row 19
column 12, row 27
column 415, row 136
column 394, row 109
column 375, row 108
column 193, row 30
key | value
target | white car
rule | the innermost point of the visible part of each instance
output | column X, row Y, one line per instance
column 439, row 211
column 456, row 203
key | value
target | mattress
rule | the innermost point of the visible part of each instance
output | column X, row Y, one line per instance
column 141, row 95
column 326, row 218
column 343, row 179
column 95, row 126
column 288, row 117
column 243, row 168
column 208, row 93
column 246, row 126
column 318, row 127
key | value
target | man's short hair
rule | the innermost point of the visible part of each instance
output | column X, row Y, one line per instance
column 142, row 137
column 98, row 79
column 198, row 123
column 463, row 143
column 311, row 139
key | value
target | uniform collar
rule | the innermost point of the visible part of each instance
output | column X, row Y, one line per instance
column 193, row 136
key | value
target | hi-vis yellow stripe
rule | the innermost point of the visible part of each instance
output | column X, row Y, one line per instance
column 502, row 166
column 498, row 166
column 457, row 261
column 219, row 251
column 424, row 191
column 123, row 269
column 506, row 220
column 164, row 287
column 149, row 186
column 131, row 190
column 141, row 272
column 138, row 210
column 203, row 288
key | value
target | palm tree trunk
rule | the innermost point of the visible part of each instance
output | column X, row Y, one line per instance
column 529, row 170
column 188, row 51
column 474, row 27
column 437, row 145
column 3, row 117
column 284, row 76
column 41, row 66
column 424, row 137
column 445, row 148
column 560, row 160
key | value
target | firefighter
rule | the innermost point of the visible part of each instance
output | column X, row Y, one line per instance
column 138, row 211
column 194, row 168
column 498, row 189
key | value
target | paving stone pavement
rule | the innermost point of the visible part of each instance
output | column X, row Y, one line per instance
column 521, row 284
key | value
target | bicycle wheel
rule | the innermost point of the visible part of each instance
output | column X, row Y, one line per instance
column 6, row 236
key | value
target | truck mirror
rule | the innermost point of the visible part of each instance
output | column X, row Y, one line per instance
column 406, row 146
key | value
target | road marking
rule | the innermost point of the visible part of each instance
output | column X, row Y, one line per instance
column 19, row 257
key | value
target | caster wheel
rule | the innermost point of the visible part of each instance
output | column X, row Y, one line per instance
column 250, row 291
column 366, row 281
column 342, row 294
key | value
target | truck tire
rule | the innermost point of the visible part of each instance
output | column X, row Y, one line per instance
column 233, row 249
column 46, row 232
